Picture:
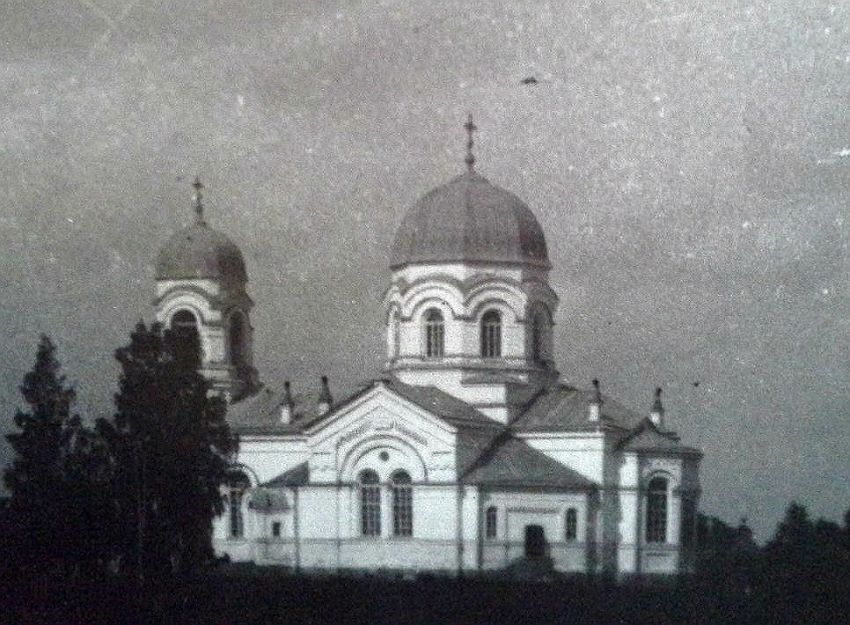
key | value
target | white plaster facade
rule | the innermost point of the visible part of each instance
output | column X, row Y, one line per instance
column 469, row 453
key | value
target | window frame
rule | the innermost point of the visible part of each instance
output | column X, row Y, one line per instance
column 401, row 486
column 490, row 329
column 491, row 523
column 434, row 325
column 657, row 510
column 571, row 525
column 370, row 504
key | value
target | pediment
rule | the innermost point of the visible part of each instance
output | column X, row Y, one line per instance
column 380, row 412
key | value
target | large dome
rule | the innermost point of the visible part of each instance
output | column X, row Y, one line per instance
column 469, row 219
column 198, row 251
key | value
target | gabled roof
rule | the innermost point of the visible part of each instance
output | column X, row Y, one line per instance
column 296, row 476
column 646, row 437
column 260, row 412
column 449, row 408
column 563, row 408
column 511, row 462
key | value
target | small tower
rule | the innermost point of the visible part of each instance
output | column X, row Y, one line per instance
column 656, row 414
column 325, row 398
column 200, row 286
column 594, row 406
column 287, row 405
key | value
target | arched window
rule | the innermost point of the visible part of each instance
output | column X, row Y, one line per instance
column 539, row 325
column 656, row 511
column 491, row 334
column 434, row 334
column 571, row 525
column 237, row 340
column 237, row 484
column 184, row 325
column 402, row 504
column 184, row 320
column 490, row 523
column 370, row 503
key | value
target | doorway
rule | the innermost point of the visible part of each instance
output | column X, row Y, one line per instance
column 535, row 541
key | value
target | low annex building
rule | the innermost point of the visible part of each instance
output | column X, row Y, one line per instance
column 469, row 451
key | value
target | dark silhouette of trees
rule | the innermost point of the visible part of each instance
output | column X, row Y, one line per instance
column 36, row 478
column 171, row 448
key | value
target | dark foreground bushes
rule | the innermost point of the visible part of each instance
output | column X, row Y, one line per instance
column 246, row 595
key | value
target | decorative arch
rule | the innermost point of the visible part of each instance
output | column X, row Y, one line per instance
column 509, row 312
column 444, row 299
column 196, row 303
column 509, row 297
column 357, row 458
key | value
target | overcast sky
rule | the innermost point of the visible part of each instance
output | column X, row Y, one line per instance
column 689, row 163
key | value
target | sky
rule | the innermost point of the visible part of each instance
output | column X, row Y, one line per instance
column 689, row 162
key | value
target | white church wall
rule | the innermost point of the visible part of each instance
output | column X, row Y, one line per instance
column 268, row 457
column 583, row 452
column 516, row 509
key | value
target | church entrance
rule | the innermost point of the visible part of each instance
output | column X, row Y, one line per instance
column 535, row 541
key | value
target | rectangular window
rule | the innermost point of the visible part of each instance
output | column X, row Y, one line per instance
column 370, row 510
column 276, row 529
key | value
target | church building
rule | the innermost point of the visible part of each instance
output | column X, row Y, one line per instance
column 468, row 452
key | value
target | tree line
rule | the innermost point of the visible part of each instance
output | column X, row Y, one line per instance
column 131, row 496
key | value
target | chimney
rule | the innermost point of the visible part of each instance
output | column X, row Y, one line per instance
column 287, row 404
column 594, row 406
column 325, row 398
column 656, row 415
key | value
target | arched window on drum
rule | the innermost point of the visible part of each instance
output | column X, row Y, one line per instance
column 184, row 326
column 491, row 334
column 435, row 334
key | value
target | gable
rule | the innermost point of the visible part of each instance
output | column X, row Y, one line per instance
column 385, row 430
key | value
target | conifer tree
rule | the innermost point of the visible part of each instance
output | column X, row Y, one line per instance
column 172, row 449
column 39, row 506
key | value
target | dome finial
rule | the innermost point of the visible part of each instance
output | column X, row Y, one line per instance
column 470, row 128
column 197, row 196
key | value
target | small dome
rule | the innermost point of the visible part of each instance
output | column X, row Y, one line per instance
column 198, row 251
column 469, row 219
